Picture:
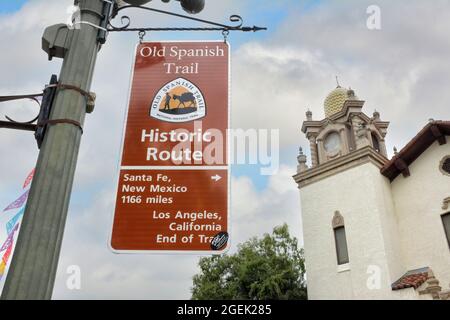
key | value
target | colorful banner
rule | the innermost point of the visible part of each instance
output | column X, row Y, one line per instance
column 19, row 202
column 4, row 261
column 7, row 253
column 2, row 269
column 29, row 178
column 10, row 239
column 11, row 223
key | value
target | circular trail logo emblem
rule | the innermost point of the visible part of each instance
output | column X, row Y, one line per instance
column 178, row 101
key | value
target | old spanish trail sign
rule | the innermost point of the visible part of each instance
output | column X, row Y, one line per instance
column 173, row 188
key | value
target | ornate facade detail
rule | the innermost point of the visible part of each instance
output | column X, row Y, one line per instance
column 338, row 220
column 376, row 116
column 313, row 148
column 446, row 203
column 445, row 295
column 344, row 130
column 361, row 133
column 432, row 286
column 444, row 166
column 301, row 159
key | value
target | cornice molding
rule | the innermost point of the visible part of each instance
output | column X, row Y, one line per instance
column 332, row 167
column 351, row 108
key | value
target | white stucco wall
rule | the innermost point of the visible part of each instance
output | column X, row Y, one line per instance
column 418, row 202
column 363, row 197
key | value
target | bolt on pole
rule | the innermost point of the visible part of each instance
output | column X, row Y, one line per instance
column 35, row 260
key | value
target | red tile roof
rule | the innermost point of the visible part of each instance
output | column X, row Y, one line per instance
column 411, row 279
column 434, row 130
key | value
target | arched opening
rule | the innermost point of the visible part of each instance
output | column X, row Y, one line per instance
column 446, row 222
column 341, row 245
column 375, row 142
column 340, row 239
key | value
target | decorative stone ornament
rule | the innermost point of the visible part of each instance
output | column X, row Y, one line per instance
column 446, row 203
column 301, row 158
column 432, row 286
column 361, row 133
column 376, row 115
column 444, row 166
column 338, row 220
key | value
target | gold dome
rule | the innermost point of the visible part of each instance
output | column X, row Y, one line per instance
column 334, row 102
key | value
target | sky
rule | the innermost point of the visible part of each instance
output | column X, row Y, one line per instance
column 277, row 75
column 8, row 6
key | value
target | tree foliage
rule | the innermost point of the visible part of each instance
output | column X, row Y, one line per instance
column 270, row 268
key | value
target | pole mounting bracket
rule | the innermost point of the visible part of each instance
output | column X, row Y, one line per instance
column 213, row 26
column 40, row 123
column 45, row 105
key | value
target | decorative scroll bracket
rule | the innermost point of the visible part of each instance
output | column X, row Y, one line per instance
column 13, row 124
column 44, row 112
column 126, row 21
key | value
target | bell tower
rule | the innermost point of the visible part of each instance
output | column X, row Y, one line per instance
column 347, row 213
column 344, row 129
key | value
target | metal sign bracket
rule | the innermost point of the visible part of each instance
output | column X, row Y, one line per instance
column 39, row 124
column 126, row 21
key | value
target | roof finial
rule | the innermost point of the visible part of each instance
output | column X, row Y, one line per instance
column 301, row 158
column 309, row 115
column 376, row 115
column 337, row 82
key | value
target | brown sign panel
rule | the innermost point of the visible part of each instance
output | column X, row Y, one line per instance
column 173, row 188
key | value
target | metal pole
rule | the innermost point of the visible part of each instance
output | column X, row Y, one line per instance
column 34, row 264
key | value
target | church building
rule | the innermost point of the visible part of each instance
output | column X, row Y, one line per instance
column 373, row 227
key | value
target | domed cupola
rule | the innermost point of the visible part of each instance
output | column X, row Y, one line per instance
column 334, row 102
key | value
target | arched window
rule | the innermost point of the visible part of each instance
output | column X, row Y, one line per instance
column 446, row 222
column 444, row 165
column 340, row 239
column 375, row 142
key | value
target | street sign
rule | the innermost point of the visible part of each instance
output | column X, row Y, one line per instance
column 173, row 185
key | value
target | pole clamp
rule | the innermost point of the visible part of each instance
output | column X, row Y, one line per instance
column 90, row 24
column 59, row 121
column 90, row 96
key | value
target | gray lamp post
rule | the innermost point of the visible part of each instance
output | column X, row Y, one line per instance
column 35, row 260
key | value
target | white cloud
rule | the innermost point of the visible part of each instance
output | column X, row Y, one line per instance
column 400, row 70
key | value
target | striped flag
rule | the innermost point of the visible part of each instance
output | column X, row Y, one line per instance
column 19, row 202
column 11, row 223
column 2, row 269
column 9, row 240
column 7, row 253
column 29, row 178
